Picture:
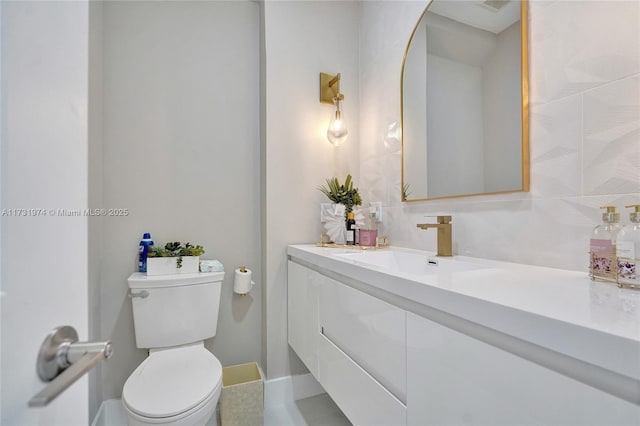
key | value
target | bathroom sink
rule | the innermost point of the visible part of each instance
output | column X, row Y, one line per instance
column 410, row 262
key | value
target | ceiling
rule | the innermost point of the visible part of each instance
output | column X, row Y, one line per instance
column 481, row 14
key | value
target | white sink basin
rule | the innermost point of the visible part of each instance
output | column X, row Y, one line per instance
column 409, row 262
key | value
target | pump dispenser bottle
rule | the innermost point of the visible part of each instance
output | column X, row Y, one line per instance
column 602, row 245
column 628, row 249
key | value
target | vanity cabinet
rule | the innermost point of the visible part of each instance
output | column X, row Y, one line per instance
column 302, row 314
column 353, row 343
column 455, row 379
column 383, row 365
column 502, row 344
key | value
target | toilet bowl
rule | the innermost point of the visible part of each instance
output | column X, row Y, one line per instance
column 180, row 382
column 176, row 386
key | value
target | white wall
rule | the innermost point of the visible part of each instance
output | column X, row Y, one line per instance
column 585, row 122
column 181, row 151
column 415, row 113
column 503, row 90
column 384, row 31
column 455, row 165
column 302, row 39
column 44, row 167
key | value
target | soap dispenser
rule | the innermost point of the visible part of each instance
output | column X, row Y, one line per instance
column 628, row 248
column 602, row 245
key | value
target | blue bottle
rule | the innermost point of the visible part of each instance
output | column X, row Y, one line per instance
column 145, row 243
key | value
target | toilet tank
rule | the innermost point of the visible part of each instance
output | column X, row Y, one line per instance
column 171, row 310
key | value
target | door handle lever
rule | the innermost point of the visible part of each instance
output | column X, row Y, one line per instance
column 62, row 360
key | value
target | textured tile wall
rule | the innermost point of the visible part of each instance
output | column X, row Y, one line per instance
column 584, row 133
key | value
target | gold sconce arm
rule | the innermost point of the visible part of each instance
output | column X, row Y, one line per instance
column 330, row 88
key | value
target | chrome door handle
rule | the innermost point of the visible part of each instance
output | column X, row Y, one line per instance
column 62, row 360
column 144, row 294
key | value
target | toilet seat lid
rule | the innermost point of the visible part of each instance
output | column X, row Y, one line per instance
column 172, row 381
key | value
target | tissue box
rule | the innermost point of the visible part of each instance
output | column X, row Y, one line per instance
column 211, row 266
column 169, row 265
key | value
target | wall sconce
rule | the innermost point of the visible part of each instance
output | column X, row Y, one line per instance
column 330, row 94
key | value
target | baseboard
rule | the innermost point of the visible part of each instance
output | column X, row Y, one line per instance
column 110, row 413
column 290, row 388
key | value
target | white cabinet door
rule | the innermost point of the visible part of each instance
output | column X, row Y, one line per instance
column 454, row 379
column 302, row 317
column 368, row 330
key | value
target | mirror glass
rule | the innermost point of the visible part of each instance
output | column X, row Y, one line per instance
column 465, row 101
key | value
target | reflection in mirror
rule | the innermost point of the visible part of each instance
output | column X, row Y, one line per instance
column 465, row 101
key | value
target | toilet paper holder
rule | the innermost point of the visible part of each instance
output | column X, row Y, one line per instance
column 242, row 282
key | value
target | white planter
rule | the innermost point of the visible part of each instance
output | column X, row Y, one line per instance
column 169, row 265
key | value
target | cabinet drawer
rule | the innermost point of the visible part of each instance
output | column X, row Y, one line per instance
column 362, row 399
column 368, row 330
column 455, row 379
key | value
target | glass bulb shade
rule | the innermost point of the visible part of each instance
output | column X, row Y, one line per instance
column 337, row 132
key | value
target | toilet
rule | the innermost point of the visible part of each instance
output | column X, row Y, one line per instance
column 179, row 383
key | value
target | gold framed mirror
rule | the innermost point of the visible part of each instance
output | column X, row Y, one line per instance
column 465, row 101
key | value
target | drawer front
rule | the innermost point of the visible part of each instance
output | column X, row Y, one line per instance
column 362, row 399
column 368, row 330
column 302, row 314
column 455, row 379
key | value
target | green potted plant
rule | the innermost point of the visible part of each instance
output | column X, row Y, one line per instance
column 344, row 193
column 174, row 258
column 345, row 197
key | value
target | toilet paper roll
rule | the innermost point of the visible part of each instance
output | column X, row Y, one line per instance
column 242, row 282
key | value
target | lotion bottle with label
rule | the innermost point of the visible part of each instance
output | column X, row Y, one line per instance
column 602, row 245
column 628, row 248
column 143, row 251
column 351, row 229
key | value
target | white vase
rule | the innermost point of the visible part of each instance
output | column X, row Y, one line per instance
column 341, row 236
column 169, row 265
column 334, row 224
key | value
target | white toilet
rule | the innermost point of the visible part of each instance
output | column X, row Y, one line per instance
column 179, row 383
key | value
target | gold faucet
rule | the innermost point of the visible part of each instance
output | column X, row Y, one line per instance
column 444, row 234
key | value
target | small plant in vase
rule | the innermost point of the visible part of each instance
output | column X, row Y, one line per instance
column 340, row 229
column 178, row 251
column 344, row 193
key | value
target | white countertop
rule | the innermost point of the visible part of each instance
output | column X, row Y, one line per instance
column 560, row 310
